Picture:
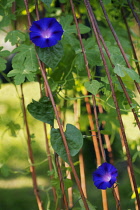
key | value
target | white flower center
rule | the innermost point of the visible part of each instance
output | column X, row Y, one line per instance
column 46, row 34
column 107, row 177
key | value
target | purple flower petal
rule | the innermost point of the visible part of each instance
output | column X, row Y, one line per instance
column 51, row 42
column 105, row 176
column 58, row 34
column 101, row 185
column 38, row 41
column 35, row 27
column 46, row 32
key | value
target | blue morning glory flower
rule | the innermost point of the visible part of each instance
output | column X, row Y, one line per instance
column 105, row 176
column 45, row 32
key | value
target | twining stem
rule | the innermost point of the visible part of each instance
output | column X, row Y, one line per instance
column 133, row 12
column 30, row 152
column 36, row 9
column 62, row 134
column 58, row 120
column 82, row 172
column 106, row 137
column 89, row 77
column 68, row 172
column 119, row 78
column 131, row 41
column 48, row 147
column 49, row 158
column 132, row 186
column 92, row 128
column 89, row 9
column 109, row 149
column 76, row 107
column 117, row 40
column 128, row 169
column 61, row 181
column 129, row 101
column 96, row 148
column 95, row 142
column 116, row 199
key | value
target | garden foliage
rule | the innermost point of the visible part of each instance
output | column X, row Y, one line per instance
column 77, row 98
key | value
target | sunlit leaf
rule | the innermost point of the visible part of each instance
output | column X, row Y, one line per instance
column 4, row 53
column 15, row 36
column 25, row 57
column 119, row 71
column 20, row 76
column 117, row 59
column 79, row 62
column 132, row 74
column 66, row 21
column 24, row 64
column 2, row 64
column 3, row 61
column 93, row 86
column 6, row 20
